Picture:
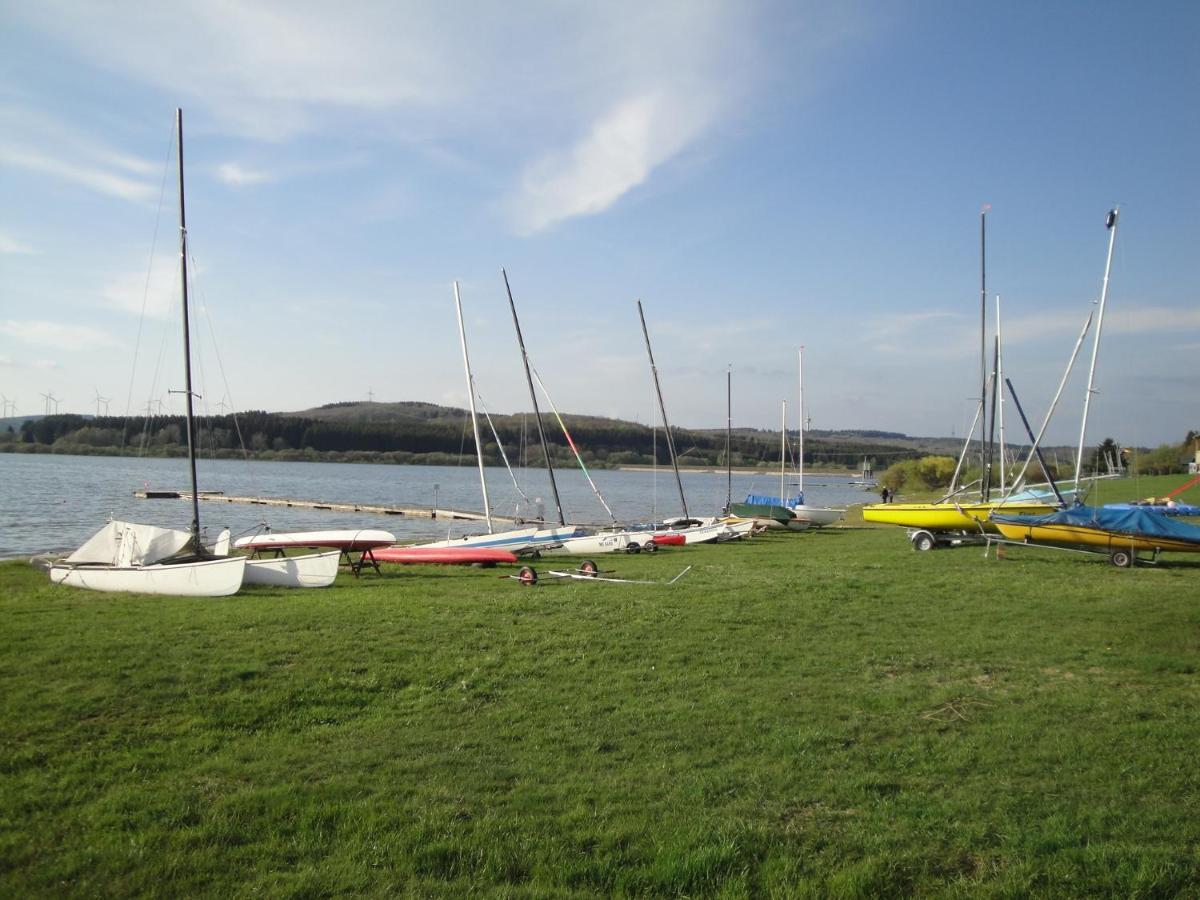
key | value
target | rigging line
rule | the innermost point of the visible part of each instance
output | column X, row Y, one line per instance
column 571, row 444
column 500, row 445
column 162, row 192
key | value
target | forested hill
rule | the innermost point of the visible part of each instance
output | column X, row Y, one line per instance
column 413, row 432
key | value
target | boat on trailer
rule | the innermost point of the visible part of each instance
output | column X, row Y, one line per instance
column 1120, row 533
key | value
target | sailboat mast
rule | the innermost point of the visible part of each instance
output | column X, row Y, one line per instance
column 783, row 455
column 728, row 440
column 800, row 392
column 533, row 398
column 1111, row 224
column 1000, row 398
column 983, row 448
column 462, row 336
column 663, row 409
column 991, row 435
column 187, row 342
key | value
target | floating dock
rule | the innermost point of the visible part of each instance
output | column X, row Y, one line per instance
column 427, row 512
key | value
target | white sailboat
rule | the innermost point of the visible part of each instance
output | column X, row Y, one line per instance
column 812, row 516
column 124, row 556
column 518, row 540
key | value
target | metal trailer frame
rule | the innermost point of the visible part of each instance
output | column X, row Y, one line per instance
column 1121, row 558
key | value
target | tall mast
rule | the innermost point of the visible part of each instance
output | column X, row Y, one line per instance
column 462, row 336
column 999, row 387
column 983, row 448
column 663, row 409
column 991, row 435
column 187, row 343
column 783, row 455
column 1111, row 224
column 533, row 398
column 728, row 439
column 800, row 389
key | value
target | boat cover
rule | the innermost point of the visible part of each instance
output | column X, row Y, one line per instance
column 1179, row 509
column 1136, row 520
column 768, row 500
column 129, row 544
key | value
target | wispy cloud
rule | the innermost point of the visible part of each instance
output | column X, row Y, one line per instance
column 57, row 335
column 579, row 104
column 12, row 246
column 96, row 179
column 154, row 294
column 1127, row 320
column 621, row 150
column 235, row 174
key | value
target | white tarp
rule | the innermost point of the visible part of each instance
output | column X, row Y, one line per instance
column 129, row 544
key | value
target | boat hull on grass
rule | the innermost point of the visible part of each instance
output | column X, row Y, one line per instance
column 948, row 516
column 517, row 540
column 780, row 515
column 218, row 577
column 312, row 570
column 444, row 555
column 1107, row 530
column 349, row 540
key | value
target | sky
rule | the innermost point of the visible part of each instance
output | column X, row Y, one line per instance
column 763, row 176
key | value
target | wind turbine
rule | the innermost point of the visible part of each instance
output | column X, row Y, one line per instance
column 50, row 398
column 99, row 400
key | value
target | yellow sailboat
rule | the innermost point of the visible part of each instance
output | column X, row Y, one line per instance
column 949, row 515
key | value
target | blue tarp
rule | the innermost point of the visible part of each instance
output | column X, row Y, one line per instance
column 1136, row 520
column 768, row 500
column 1179, row 509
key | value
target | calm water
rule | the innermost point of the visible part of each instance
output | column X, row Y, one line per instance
column 56, row 502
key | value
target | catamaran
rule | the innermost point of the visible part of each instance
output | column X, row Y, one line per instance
column 124, row 556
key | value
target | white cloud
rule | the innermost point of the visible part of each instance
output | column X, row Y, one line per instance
column 155, row 295
column 619, row 153
column 11, row 245
column 57, row 335
column 583, row 103
column 233, row 173
column 89, row 176
column 1127, row 320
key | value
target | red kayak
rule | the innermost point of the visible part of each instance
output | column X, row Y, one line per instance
column 443, row 555
column 668, row 538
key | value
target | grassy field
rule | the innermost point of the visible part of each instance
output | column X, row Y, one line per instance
column 825, row 715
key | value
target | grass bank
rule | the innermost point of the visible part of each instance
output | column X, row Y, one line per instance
column 826, row 714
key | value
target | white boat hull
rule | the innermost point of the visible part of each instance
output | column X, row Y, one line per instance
column 817, row 516
column 515, row 540
column 205, row 578
column 313, row 570
column 342, row 539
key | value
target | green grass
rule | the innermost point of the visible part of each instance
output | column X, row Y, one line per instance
column 823, row 715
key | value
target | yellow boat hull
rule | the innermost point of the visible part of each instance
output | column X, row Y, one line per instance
column 949, row 516
column 1076, row 536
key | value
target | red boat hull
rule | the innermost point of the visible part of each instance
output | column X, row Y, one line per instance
column 667, row 540
column 443, row 555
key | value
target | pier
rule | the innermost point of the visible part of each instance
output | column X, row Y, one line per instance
column 427, row 512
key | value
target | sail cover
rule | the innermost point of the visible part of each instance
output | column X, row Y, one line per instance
column 1134, row 521
column 128, row 544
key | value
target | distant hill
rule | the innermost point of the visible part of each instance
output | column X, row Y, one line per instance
column 418, row 432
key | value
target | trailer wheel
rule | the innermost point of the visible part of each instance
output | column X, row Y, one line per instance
column 1122, row 559
column 633, row 547
column 650, row 546
column 588, row 567
column 923, row 541
column 527, row 576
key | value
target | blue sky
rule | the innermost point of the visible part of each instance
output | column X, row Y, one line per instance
column 762, row 175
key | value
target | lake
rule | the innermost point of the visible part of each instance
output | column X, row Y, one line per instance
column 52, row 503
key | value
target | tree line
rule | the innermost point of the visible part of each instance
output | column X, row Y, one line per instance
column 261, row 435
